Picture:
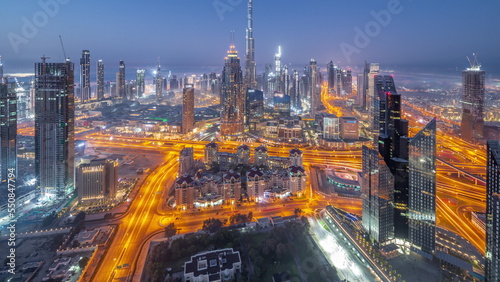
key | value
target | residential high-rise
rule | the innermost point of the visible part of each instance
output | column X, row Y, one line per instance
column 232, row 97
column 493, row 211
column 158, row 82
column 8, row 135
column 140, row 83
column 313, row 84
column 472, row 124
column 186, row 161
column 54, row 128
column 422, row 188
column 243, row 153
column 250, row 69
column 120, row 82
column 211, row 152
column 100, row 80
column 85, row 77
column 187, row 108
column 377, row 193
column 254, row 108
column 184, row 191
column 97, row 182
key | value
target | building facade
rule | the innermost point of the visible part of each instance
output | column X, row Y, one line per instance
column 250, row 69
column 120, row 82
column 254, row 108
column 85, row 77
column 493, row 211
column 377, row 194
column 188, row 108
column 473, row 88
column 232, row 97
column 184, row 191
column 140, row 84
column 100, row 80
column 422, row 188
column 97, row 182
column 54, row 128
column 8, row 136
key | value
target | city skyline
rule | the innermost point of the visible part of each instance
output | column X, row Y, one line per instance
column 271, row 150
column 268, row 31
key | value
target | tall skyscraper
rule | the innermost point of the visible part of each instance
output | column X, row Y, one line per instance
column 187, row 108
column 1, row 70
column 232, row 95
column 371, row 95
column 493, row 211
column 377, row 193
column 422, row 188
column 250, row 69
column 254, row 108
column 295, row 92
column 100, row 80
column 8, row 135
column 158, row 82
column 392, row 143
column 277, row 64
column 120, row 82
column 140, row 83
column 313, row 84
column 346, row 82
column 97, row 182
column 360, row 88
column 85, row 77
column 54, row 128
column 331, row 76
column 472, row 125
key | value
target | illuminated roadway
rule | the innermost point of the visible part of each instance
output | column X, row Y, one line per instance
column 143, row 219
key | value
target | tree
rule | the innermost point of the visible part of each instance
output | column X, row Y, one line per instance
column 250, row 216
column 212, row 225
column 49, row 219
column 297, row 211
column 170, row 230
column 83, row 262
column 57, row 240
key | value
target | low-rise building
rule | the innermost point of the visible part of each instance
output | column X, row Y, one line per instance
column 184, row 191
column 232, row 186
column 218, row 265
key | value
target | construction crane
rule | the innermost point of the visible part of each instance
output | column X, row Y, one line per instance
column 62, row 45
column 474, row 64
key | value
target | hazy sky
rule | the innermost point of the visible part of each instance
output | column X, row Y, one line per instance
column 195, row 33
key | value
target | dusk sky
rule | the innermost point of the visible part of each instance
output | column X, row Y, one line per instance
column 194, row 34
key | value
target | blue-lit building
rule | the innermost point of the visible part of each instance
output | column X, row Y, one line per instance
column 254, row 105
column 422, row 188
column 281, row 104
